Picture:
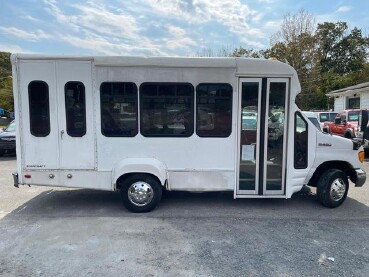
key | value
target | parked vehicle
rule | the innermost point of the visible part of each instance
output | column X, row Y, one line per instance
column 141, row 125
column 326, row 117
column 345, row 124
column 7, row 139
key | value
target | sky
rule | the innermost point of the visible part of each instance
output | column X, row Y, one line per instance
column 157, row 27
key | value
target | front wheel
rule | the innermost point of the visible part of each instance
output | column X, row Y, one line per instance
column 141, row 193
column 332, row 188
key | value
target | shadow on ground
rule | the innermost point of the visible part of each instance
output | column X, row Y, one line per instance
column 92, row 203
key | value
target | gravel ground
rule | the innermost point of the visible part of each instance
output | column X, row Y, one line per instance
column 68, row 232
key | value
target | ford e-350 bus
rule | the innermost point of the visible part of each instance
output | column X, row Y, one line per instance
column 142, row 125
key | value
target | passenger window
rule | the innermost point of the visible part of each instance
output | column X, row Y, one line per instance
column 214, row 110
column 75, row 109
column 119, row 104
column 301, row 142
column 39, row 111
column 167, row 109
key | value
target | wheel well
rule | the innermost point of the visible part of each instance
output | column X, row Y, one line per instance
column 341, row 165
column 124, row 177
column 348, row 134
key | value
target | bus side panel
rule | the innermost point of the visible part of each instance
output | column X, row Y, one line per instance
column 201, row 180
column 38, row 152
column 199, row 157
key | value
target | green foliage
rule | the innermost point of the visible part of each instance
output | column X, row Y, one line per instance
column 6, row 82
column 342, row 51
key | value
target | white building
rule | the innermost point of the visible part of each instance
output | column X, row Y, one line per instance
column 354, row 97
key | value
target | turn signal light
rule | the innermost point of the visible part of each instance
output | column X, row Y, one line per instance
column 361, row 156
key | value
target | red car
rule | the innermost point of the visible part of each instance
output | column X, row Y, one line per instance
column 345, row 124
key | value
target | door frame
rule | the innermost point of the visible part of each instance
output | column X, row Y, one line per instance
column 260, row 189
column 238, row 136
column 285, row 128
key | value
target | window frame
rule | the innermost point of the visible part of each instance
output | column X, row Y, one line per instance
column 66, row 111
column 231, row 115
column 30, row 109
column 295, row 141
column 137, row 110
column 193, row 99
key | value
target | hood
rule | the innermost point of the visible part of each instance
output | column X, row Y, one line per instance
column 333, row 141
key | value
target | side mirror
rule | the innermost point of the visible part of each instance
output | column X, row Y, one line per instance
column 363, row 119
column 337, row 121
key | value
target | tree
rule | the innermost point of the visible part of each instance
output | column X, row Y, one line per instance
column 6, row 82
column 341, row 51
column 295, row 44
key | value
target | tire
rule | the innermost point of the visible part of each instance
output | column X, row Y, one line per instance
column 332, row 188
column 141, row 193
column 347, row 135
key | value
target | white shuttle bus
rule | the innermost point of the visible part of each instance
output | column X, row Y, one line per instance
column 141, row 125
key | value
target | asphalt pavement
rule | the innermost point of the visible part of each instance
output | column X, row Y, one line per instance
column 70, row 232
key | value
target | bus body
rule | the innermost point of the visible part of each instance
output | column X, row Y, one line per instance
column 142, row 125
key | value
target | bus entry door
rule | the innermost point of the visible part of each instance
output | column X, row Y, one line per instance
column 262, row 136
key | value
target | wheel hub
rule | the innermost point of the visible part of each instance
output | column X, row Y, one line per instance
column 140, row 193
column 338, row 189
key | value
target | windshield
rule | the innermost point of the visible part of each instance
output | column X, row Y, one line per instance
column 323, row 117
column 315, row 122
column 11, row 127
column 353, row 116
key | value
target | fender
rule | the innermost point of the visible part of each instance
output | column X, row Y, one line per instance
column 141, row 165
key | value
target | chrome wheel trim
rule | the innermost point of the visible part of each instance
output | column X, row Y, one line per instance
column 338, row 189
column 140, row 194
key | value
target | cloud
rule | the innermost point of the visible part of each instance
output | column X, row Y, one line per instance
column 30, row 36
column 231, row 13
column 344, row 9
column 100, row 29
column 30, row 18
column 12, row 48
column 179, row 38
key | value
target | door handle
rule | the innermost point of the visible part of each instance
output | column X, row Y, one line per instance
column 61, row 133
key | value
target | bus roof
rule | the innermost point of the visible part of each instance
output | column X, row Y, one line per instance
column 243, row 66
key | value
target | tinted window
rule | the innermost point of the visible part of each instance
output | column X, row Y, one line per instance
column 354, row 103
column 332, row 116
column 301, row 142
column 323, row 117
column 39, row 113
column 314, row 120
column 167, row 109
column 353, row 116
column 214, row 110
column 75, row 109
column 118, row 109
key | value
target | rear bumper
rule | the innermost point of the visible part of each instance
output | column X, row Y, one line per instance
column 360, row 177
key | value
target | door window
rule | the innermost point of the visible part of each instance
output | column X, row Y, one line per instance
column 301, row 142
column 214, row 110
column 75, row 109
column 39, row 111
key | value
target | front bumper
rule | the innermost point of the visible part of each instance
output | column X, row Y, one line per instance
column 360, row 177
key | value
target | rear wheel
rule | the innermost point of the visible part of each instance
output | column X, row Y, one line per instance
column 141, row 193
column 332, row 188
column 348, row 135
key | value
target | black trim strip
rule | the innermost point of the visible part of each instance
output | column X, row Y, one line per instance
column 263, row 114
